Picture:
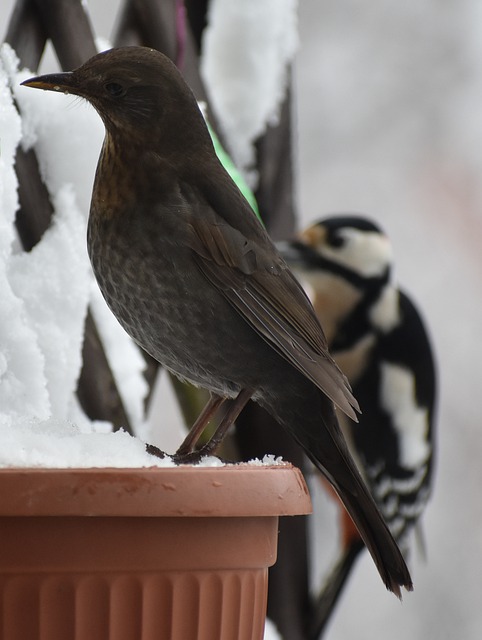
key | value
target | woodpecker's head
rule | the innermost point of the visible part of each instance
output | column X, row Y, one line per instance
column 349, row 246
column 344, row 261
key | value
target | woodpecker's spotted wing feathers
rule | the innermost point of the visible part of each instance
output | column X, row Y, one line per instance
column 396, row 438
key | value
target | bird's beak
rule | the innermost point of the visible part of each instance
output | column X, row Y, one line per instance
column 62, row 82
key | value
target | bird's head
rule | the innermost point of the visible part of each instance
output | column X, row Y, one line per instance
column 137, row 91
column 351, row 247
column 353, row 243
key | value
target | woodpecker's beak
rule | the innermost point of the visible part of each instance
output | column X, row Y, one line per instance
column 297, row 254
column 62, row 82
column 288, row 251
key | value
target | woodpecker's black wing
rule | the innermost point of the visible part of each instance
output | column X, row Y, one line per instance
column 395, row 438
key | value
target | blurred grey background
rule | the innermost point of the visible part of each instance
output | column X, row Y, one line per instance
column 389, row 123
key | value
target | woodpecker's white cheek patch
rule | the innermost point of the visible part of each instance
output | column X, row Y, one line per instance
column 367, row 253
column 409, row 420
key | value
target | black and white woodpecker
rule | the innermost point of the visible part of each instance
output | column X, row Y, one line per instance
column 379, row 340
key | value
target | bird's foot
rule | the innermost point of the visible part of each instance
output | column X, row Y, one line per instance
column 155, row 451
column 193, row 457
column 181, row 457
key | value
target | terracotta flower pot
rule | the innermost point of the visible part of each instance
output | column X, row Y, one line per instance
column 141, row 554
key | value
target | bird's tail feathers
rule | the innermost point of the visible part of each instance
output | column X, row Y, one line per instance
column 338, row 467
column 377, row 538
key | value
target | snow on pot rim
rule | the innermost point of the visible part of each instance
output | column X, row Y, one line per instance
column 55, row 468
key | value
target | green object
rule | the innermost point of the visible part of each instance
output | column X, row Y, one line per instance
column 234, row 172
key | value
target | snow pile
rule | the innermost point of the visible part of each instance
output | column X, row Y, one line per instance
column 22, row 380
column 269, row 460
column 46, row 292
column 76, row 134
column 247, row 48
column 53, row 443
column 54, row 299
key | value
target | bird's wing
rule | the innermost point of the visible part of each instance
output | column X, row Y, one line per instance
column 397, row 393
column 259, row 285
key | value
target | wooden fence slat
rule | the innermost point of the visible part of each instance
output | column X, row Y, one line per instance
column 26, row 34
column 69, row 28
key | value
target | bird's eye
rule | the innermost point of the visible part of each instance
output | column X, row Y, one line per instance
column 114, row 89
column 336, row 240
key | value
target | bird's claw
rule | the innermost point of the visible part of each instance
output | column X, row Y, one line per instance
column 193, row 457
column 155, row 451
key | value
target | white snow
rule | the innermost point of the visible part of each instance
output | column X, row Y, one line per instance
column 22, row 380
column 55, row 299
column 76, row 133
column 247, row 48
column 56, row 443
column 45, row 294
column 268, row 460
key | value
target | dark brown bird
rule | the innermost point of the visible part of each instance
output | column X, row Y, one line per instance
column 192, row 276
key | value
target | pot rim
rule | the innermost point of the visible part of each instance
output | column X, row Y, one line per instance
column 233, row 490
